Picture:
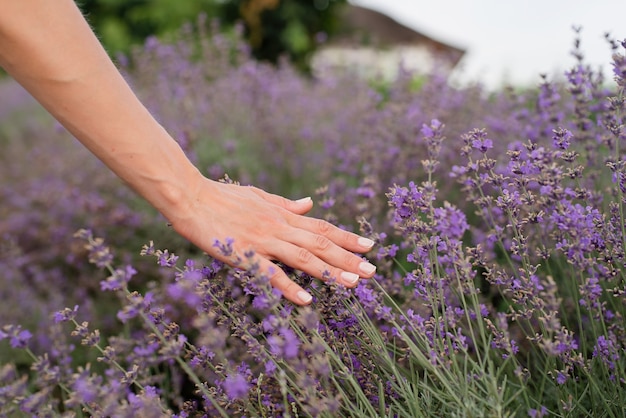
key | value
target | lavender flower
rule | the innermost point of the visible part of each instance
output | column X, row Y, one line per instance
column 498, row 292
column 18, row 337
column 65, row 315
column 236, row 386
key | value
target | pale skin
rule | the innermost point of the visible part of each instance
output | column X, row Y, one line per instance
column 49, row 48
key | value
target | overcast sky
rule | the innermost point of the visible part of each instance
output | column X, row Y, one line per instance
column 513, row 41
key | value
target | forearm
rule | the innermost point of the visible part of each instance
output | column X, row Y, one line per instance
column 49, row 48
column 62, row 64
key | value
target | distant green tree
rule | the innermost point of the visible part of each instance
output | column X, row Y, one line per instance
column 274, row 28
column 123, row 23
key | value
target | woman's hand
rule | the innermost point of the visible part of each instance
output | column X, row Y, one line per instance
column 50, row 49
column 275, row 229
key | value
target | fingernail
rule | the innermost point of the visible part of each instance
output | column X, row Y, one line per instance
column 367, row 268
column 350, row 277
column 304, row 200
column 365, row 242
column 304, row 296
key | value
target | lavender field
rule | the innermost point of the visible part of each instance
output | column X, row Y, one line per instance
column 499, row 219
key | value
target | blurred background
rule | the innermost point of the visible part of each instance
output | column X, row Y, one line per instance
column 499, row 42
column 512, row 42
column 489, row 42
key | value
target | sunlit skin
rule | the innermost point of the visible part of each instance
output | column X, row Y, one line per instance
column 49, row 48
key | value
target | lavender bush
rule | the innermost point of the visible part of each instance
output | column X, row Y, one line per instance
column 500, row 230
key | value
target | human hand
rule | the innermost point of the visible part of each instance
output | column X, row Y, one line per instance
column 60, row 61
column 275, row 229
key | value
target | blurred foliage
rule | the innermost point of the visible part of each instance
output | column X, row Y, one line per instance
column 274, row 28
column 291, row 28
column 123, row 23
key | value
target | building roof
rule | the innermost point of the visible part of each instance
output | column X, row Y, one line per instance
column 360, row 26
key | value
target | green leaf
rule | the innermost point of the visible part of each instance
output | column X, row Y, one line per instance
column 295, row 37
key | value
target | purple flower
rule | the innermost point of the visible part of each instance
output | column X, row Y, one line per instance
column 99, row 253
column 538, row 413
column 148, row 249
column 327, row 203
column 562, row 139
column 165, row 258
column 482, row 144
column 225, row 248
column 606, row 350
column 65, row 315
column 286, row 344
column 432, row 129
column 202, row 358
column 270, row 367
column 619, row 67
column 118, row 279
column 86, row 388
column 291, row 343
column 365, row 294
column 18, row 337
column 409, row 201
column 505, row 249
column 146, row 349
column 449, row 222
column 265, row 301
column 236, row 386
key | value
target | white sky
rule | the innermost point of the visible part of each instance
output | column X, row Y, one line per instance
column 514, row 41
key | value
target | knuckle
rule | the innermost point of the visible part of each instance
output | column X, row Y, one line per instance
column 351, row 260
column 274, row 274
column 333, row 274
column 289, row 288
column 323, row 227
column 304, row 256
column 347, row 239
column 285, row 203
column 281, row 202
column 322, row 243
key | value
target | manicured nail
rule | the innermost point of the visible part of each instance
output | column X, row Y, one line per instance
column 365, row 242
column 350, row 277
column 367, row 268
column 304, row 200
column 304, row 296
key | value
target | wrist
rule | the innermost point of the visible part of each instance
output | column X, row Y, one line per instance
column 177, row 196
column 176, row 192
column 163, row 175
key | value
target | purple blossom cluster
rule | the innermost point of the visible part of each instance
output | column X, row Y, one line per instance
column 500, row 227
column 50, row 187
